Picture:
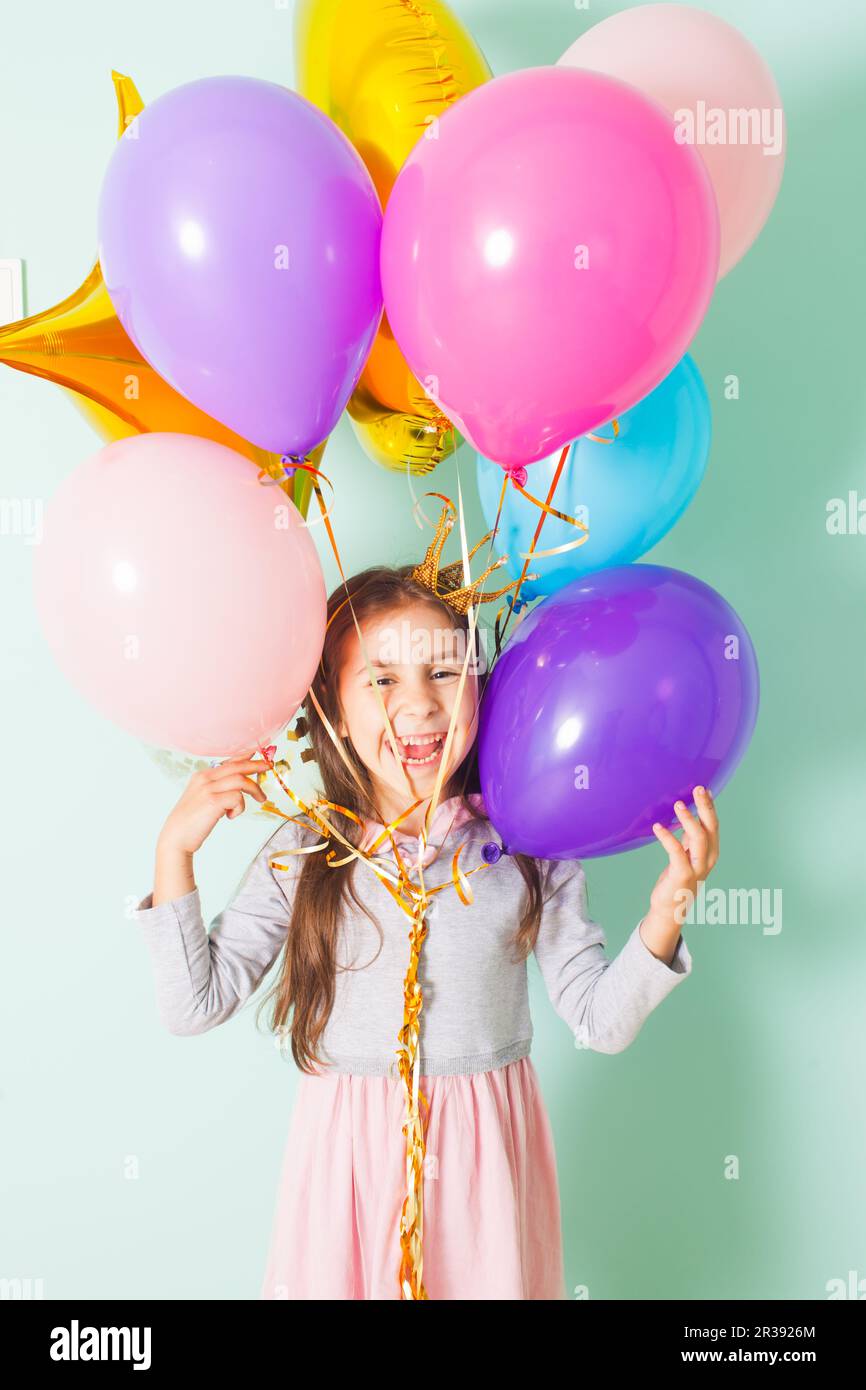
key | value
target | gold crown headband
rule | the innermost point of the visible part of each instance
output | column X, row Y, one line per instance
column 447, row 583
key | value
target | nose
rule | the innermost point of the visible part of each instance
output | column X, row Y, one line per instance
column 416, row 701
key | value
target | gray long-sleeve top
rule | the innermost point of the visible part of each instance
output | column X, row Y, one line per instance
column 475, row 1013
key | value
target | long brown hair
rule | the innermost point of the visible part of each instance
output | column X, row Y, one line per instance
column 306, row 984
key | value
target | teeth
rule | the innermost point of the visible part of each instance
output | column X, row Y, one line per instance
column 422, row 741
column 429, row 759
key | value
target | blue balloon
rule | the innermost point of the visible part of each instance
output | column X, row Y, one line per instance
column 629, row 493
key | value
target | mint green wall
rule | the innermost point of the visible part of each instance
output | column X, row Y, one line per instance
column 121, row 1143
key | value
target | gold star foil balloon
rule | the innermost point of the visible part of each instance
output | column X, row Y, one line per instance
column 81, row 345
column 384, row 73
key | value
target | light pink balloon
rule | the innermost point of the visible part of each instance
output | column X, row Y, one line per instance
column 181, row 597
column 547, row 258
column 692, row 61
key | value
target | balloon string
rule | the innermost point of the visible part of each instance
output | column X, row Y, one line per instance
column 563, row 516
column 499, row 635
column 600, row 439
column 290, row 463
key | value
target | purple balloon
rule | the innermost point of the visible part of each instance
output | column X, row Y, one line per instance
column 617, row 696
column 239, row 242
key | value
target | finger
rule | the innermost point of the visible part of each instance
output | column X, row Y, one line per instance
column 218, row 764
column 244, row 784
column 233, row 805
column 696, row 838
column 236, row 782
column 254, row 765
column 243, row 756
column 669, row 841
column 709, row 818
column 706, row 809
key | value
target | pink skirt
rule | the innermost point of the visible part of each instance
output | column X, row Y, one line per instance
column 491, row 1195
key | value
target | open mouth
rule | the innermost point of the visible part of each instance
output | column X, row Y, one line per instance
column 420, row 750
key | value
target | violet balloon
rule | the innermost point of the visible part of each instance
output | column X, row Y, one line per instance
column 613, row 699
column 181, row 597
column 239, row 242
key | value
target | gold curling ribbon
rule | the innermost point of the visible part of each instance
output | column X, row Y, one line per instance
column 600, row 439
column 526, row 556
column 410, row 1273
column 546, row 510
column 277, row 478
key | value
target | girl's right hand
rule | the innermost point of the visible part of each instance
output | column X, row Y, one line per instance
column 210, row 794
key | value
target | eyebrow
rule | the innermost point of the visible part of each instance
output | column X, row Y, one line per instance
column 381, row 665
column 390, row 665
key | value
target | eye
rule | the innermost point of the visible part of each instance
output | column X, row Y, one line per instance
column 444, row 673
column 380, row 679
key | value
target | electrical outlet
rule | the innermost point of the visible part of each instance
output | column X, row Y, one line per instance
column 11, row 291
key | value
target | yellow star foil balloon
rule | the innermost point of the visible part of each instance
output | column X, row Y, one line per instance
column 81, row 345
column 384, row 71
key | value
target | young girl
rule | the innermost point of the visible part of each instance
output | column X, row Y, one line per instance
column 491, row 1225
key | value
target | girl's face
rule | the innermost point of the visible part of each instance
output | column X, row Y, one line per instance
column 417, row 658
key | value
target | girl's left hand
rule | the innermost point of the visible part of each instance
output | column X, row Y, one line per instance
column 690, row 860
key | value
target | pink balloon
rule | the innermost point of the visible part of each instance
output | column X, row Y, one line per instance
column 547, row 257
column 699, row 65
column 183, row 598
